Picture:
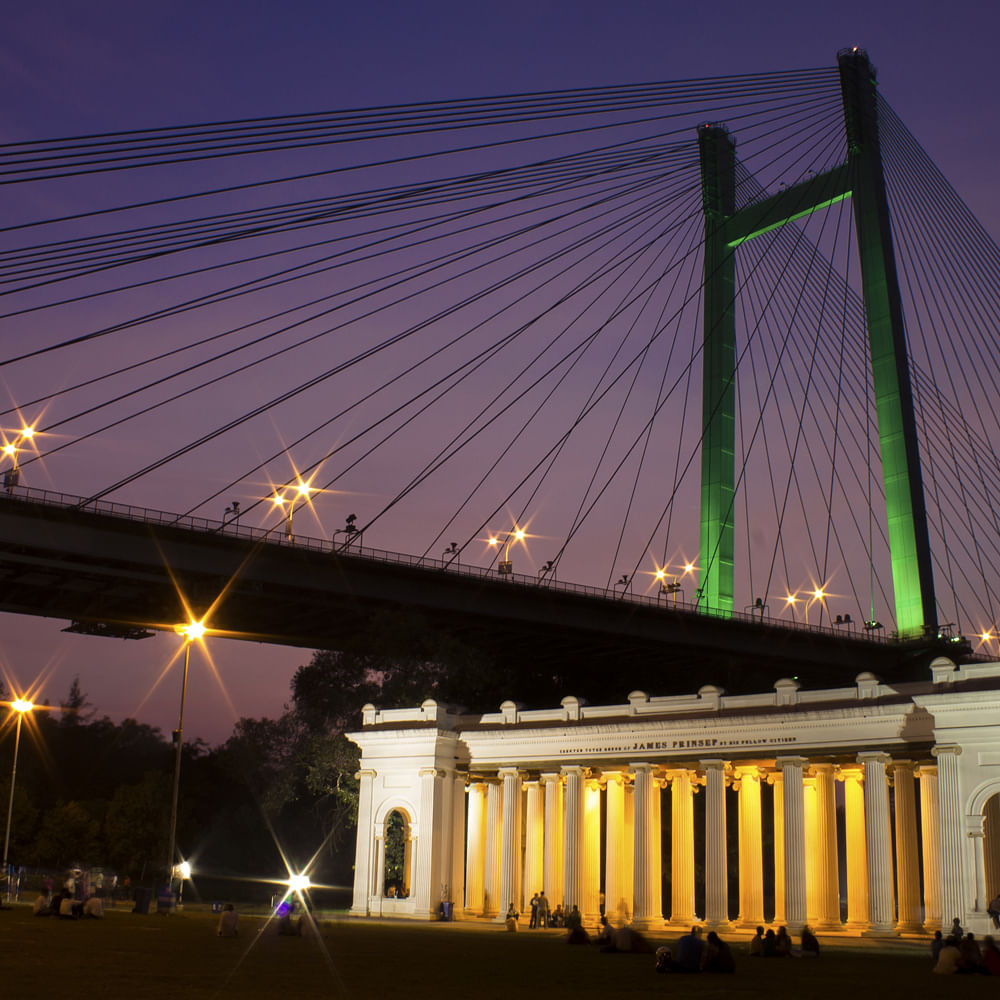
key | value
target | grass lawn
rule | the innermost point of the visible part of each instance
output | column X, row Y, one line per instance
column 131, row 956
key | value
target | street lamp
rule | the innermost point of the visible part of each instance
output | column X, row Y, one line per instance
column 183, row 871
column 20, row 706
column 506, row 567
column 302, row 491
column 191, row 632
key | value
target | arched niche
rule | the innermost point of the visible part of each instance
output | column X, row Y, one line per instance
column 397, row 852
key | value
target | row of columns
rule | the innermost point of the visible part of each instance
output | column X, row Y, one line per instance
column 557, row 847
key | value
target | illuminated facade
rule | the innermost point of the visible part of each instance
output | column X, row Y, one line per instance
column 870, row 809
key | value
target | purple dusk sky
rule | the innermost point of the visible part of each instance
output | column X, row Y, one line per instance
column 71, row 68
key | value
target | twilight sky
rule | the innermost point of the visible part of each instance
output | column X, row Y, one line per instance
column 70, row 68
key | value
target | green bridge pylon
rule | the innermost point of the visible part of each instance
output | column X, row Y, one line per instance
column 860, row 178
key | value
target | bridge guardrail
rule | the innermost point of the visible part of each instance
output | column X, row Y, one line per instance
column 278, row 536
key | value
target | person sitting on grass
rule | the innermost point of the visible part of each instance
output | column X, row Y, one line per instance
column 949, row 958
column 717, row 956
column 574, row 924
column 757, row 944
column 810, row 946
column 783, row 943
column 511, row 920
column 689, row 949
column 94, row 908
column 936, row 945
column 41, row 907
column 229, row 922
column 606, row 937
column 971, row 957
column 769, row 949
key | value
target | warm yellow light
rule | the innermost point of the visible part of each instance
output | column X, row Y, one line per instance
column 192, row 631
column 494, row 540
column 278, row 500
column 9, row 449
column 688, row 567
column 22, row 706
column 660, row 574
column 28, row 432
column 819, row 594
column 790, row 599
column 299, row 883
column 519, row 535
column 304, row 489
column 184, row 869
column 986, row 636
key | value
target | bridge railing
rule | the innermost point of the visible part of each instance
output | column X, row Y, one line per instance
column 353, row 548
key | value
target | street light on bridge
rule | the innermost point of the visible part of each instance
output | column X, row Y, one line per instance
column 193, row 631
column 20, row 706
column 12, row 476
column 301, row 491
column 506, row 567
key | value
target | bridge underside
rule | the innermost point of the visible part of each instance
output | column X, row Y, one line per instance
column 105, row 570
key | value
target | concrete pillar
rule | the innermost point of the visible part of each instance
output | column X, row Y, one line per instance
column 811, row 834
column 365, row 847
column 645, row 911
column 491, row 861
column 776, row 780
column 510, row 841
column 716, row 875
column 682, row 848
column 907, row 873
column 878, row 842
column 794, row 841
column 456, row 884
column 976, row 835
column 930, row 837
column 856, row 854
column 953, row 903
column 426, row 884
column 534, row 843
column 591, row 907
column 827, row 915
column 573, row 888
column 751, row 850
column 618, row 854
column 553, row 873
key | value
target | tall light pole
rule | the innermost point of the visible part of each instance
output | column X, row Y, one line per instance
column 20, row 706
column 191, row 632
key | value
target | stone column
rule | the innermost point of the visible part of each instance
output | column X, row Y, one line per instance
column 591, row 907
column 953, row 902
column 930, row 836
column 644, row 912
column 856, row 854
column 716, row 880
column 878, row 842
column 828, row 869
column 456, row 878
column 491, row 861
column 794, row 841
column 365, row 847
column 776, row 781
column 751, row 847
column 534, row 844
column 553, row 874
column 617, row 855
column 811, row 835
column 510, row 841
column 977, row 832
column 475, row 848
column 681, row 848
column 573, row 891
column 907, row 873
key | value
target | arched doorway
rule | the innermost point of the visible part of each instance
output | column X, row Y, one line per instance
column 396, row 870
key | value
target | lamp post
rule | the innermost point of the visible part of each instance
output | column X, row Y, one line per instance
column 191, row 632
column 302, row 491
column 506, row 567
column 20, row 706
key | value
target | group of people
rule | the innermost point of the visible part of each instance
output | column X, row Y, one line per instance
column 64, row 906
column 695, row 954
column 961, row 954
column 779, row 945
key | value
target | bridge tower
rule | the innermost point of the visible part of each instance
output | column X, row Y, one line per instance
column 860, row 178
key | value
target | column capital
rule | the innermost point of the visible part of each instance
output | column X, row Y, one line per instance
column 548, row 777
column 975, row 826
column 927, row 770
column 850, row 772
column 946, row 748
column 508, row 772
column 821, row 768
column 671, row 773
column 791, row 761
column 568, row 770
column 432, row 772
column 904, row 765
column 714, row 764
column 365, row 772
column 642, row 768
column 874, row 756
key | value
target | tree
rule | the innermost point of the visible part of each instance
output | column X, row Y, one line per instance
column 68, row 834
column 136, row 823
column 74, row 708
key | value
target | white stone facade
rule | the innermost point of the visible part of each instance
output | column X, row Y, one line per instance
column 496, row 807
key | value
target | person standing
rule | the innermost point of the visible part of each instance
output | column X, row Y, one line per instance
column 543, row 909
column 533, row 920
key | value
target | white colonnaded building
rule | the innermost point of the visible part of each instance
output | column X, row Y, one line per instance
column 883, row 811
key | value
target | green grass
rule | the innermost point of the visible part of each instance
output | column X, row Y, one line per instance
column 131, row 956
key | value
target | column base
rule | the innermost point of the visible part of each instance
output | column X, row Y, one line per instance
column 930, row 926
column 885, row 931
column 648, row 923
column 910, row 927
column 687, row 922
column 828, row 925
column 750, row 924
column 718, row 925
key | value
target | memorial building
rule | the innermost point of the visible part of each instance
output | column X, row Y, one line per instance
column 882, row 807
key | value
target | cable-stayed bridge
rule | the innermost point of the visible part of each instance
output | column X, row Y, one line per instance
column 721, row 353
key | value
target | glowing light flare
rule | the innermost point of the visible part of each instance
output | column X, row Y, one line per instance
column 494, row 541
column 184, row 869
column 661, row 574
column 192, row 631
column 688, row 568
column 819, row 594
column 21, row 705
column 791, row 599
column 299, row 883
